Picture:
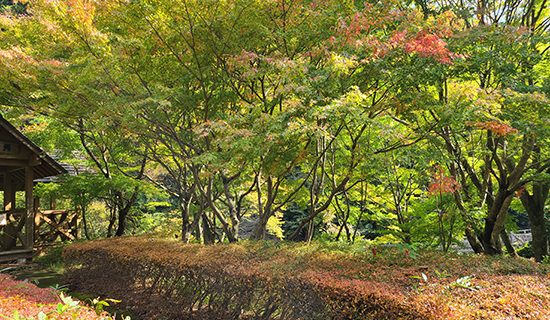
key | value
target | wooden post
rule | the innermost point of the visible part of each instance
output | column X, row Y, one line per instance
column 9, row 238
column 29, row 207
column 9, row 197
column 9, row 192
column 36, row 203
column 36, row 210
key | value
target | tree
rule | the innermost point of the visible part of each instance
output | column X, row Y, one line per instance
column 338, row 110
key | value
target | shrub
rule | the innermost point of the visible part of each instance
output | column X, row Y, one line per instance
column 525, row 251
column 22, row 300
column 160, row 279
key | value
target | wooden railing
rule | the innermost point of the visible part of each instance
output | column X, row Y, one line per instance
column 53, row 225
column 50, row 226
column 13, row 240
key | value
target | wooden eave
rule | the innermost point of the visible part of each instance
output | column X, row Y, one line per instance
column 42, row 164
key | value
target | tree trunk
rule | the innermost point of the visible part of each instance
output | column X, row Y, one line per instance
column 122, row 215
column 85, row 222
column 264, row 212
column 124, row 210
column 472, row 240
column 184, row 206
column 234, row 216
column 185, row 230
column 534, row 205
column 111, row 225
column 507, row 243
column 195, row 227
column 310, row 231
column 208, row 236
column 112, row 220
column 261, row 227
column 540, row 238
column 494, row 224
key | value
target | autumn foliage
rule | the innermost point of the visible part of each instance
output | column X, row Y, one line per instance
column 169, row 280
column 442, row 183
column 500, row 129
column 23, row 300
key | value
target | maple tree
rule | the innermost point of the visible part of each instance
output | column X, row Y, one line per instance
column 306, row 119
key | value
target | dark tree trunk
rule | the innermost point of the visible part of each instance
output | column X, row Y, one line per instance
column 472, row 240
column 337, row 238
column 507, row 243
column 208, row 235
column 85, row 222
column 112, row 220
column 122, row 215
column 540, row 238
column 494, row 223
column 490, row 247
column 534, row 205
column 124, row 210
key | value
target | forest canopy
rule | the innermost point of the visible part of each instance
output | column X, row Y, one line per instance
column 413, row 122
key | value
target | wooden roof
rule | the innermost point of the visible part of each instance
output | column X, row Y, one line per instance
column 19, row 150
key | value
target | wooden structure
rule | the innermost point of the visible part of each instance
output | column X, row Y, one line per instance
column 21, row 162
column 53, row 225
